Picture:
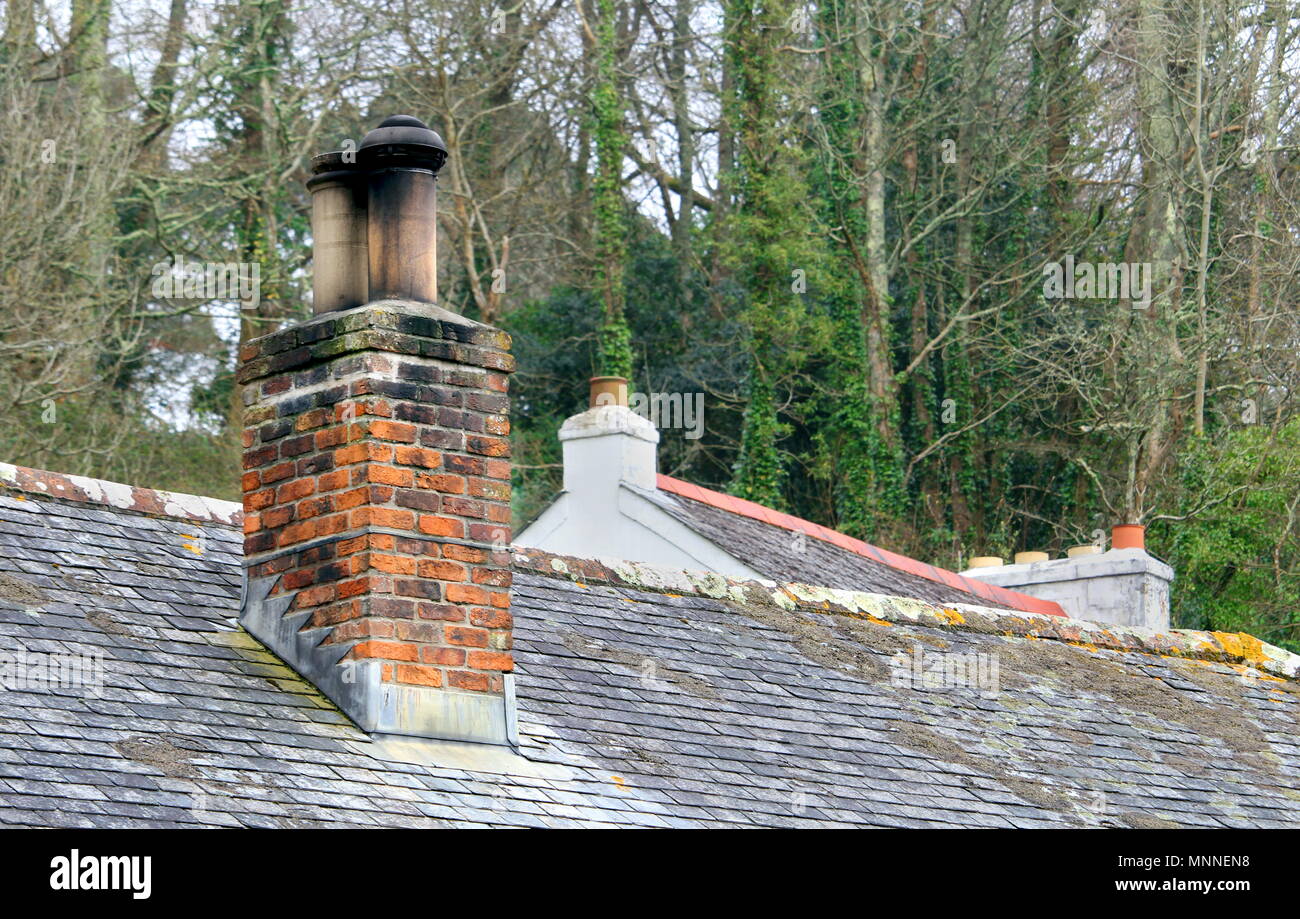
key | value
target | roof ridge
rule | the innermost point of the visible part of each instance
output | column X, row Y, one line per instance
column 764, row 514
column 1235, row 648
column 120, row 496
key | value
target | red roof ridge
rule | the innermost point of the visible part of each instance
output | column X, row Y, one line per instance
column 119, row 495
column 744, row 508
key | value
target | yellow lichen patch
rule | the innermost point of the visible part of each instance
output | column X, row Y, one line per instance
column 1252, row 649
column 1230, row 642
column 580, row 584
column 878, row 621
column 951, row 616
column 619, row 781
column 234, row 639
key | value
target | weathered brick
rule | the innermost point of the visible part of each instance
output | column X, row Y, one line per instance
column 442, row 526
column 418, row 456
column 389, row 650
column 392, row 430
column 491, row 660
column 443, row 570
column 419, row 674
column 447, row 484
column 491, row 618
column 465, row 679
column 368, row 424
column 493, row 577
column 467, row 637
column 467, row 593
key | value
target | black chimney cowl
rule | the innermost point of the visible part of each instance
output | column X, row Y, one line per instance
column 402, row 140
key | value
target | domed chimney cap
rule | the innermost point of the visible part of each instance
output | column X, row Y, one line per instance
column 402, row 140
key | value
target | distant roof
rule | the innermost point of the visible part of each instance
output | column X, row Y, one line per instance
column 761, row 537
column 647, row 697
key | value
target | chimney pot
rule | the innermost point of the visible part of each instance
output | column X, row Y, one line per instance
column 401, row 159
column 340, row 268
column 608, row 391
column 1128, row 536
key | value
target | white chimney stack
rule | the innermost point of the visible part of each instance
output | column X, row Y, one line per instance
column 1124, row 586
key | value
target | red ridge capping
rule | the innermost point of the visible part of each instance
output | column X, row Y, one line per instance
column 732, row 504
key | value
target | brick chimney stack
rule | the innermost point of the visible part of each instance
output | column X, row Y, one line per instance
column 377, row 505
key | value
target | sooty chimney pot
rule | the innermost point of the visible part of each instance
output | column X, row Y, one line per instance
column 340, row 266
column 401, row 159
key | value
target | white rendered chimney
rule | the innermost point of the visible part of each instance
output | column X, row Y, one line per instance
column 608, row 445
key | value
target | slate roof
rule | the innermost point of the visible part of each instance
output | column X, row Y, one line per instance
column 786, row 548
column 646, row 698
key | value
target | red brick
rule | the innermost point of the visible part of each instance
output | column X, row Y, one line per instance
column 462, row 679
column 292, row 491
column 444, row 657
column 466, row 593
column 277, row 472
column 418, row 456
column 358, row 453
column 333, row 480
column 393, row 430
column 424, row 633
column 443, row 570
column 313, row 507
column 331, row 437
column 446, row 612
column 419, row 674
column 470, row 638
column 442, row 526
column 387, row 475
column 316, row 596
column 296, row 580
column 487, row 446
column 277, row 516
column 447, row 484
column 312, row 419
column 382, row 517
column 463, row 507
column 393, row 564
column 492, row 577
column 465, row 554
column 489, row 488
column 491, row 618
column 389, row 650
column 255, row 458
column 491, row 660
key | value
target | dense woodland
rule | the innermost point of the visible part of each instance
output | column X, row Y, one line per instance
column 836, row 220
